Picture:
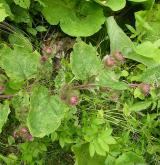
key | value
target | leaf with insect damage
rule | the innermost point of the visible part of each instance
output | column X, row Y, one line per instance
column 84, row 61
column 75, row 18
column 46, row 112
column 19, row 63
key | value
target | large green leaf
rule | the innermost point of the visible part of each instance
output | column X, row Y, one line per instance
column 84, row 61
column 83, row 156
column 4, row 112
column 76, row 19
column 19, row 63
column 119, row 41
column 149, row 50
column 46, row 112
column 4, row 10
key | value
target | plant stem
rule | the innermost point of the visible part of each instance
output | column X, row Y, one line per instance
column 84, row 86
column 6, row 96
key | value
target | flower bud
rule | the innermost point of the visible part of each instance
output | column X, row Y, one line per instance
column 118, row 56
column 29, row 137
column 44, row 58
column 109, row 61
column 1, row 88
column 74, row 100
column 47, row 50
column 24, row 130
column 145, row 88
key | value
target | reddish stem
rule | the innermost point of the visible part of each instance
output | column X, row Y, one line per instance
column 6, row 96
column 134, row 85
column 84, row 86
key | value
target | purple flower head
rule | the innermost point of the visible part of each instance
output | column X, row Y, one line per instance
column 74, row 100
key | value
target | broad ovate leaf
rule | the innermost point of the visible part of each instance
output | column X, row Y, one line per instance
column 19, row 63
column 4, row 112
column 149, row 50
column 84, row 61
column 46, row 112
column 119, row 41
column 76, row 19
column 4, row 10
